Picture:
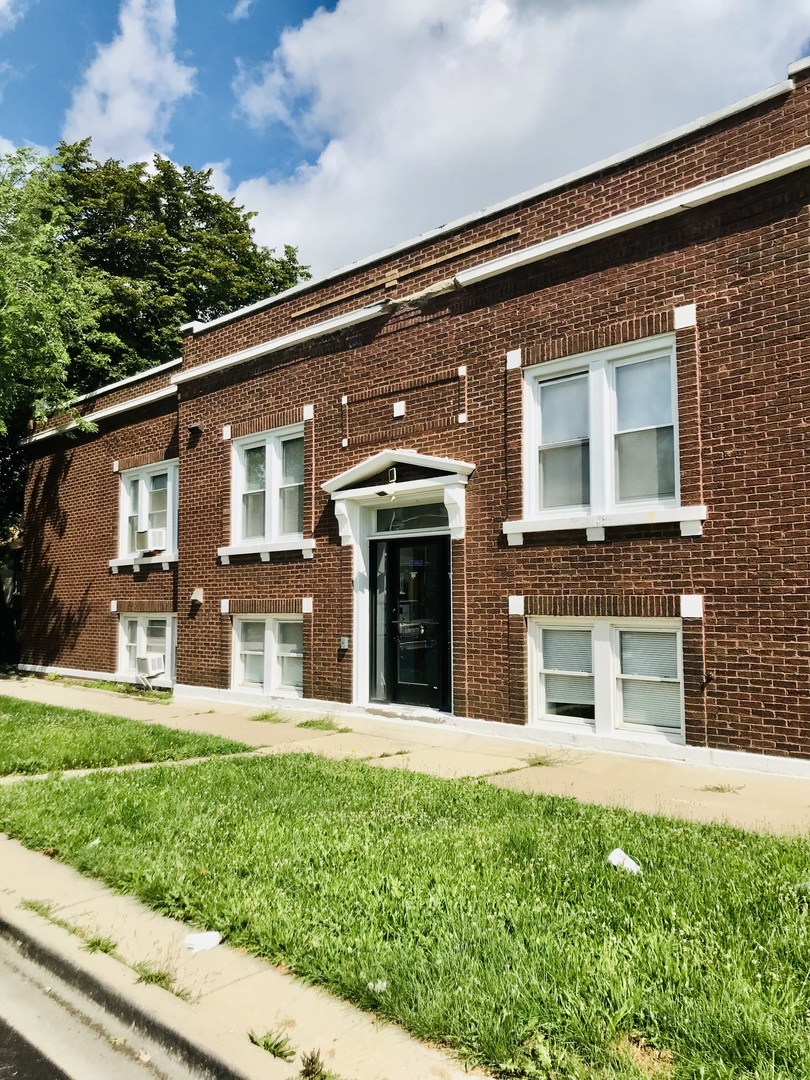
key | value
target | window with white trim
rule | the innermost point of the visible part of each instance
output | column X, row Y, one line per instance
column 607, row 674
column 146, row 647
column 602, row 432
column 268, row 653
column 268, row 503
column 148, row 519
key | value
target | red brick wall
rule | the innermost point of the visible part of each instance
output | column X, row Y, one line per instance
column 744, row 403
column 71, row 533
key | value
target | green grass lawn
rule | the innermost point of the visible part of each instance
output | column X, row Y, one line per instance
column 37, row 738
column 485, row 919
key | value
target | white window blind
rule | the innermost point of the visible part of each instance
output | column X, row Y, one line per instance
column 650, row 690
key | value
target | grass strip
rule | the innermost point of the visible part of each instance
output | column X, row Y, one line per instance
column 481, row 918
column 36, row 738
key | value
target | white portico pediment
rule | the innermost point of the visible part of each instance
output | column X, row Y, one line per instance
column 433, row 479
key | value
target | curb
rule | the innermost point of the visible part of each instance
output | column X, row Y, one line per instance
column 148, row 1023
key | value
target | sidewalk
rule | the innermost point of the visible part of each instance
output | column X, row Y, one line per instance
column 231, row 993
column 751, row 800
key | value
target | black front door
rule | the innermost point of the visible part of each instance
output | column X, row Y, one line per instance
column 410, row 621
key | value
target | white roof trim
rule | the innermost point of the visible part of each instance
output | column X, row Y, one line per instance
column 385, row 458
column 129, row 379
column 694, row 126
column 798, row 66
column 102, row 414
column 753, row 175
column 328, row 326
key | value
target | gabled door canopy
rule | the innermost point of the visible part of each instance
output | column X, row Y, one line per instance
column 349, row 492
column 385, row 459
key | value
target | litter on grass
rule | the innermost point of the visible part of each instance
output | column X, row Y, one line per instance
column 95, row 843
column 622, row 861
column 202, row 941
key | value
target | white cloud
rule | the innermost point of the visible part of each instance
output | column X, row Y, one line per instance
column 11, row 11
column 126, row 99
column 417, row 117
column 242, row 10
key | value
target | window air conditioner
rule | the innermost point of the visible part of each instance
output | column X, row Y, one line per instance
column 151, row 539
column 151, row 665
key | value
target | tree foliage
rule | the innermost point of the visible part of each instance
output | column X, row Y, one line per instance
column 101, row 263
column 170, row 250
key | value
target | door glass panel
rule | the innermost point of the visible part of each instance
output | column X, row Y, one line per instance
column 379, row 621
column 417, row 617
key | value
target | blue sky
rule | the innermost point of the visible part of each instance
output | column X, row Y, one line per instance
column 352, row 125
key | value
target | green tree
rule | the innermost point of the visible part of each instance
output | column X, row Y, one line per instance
column 48, row 302
column 100, row 265
column 170, row 250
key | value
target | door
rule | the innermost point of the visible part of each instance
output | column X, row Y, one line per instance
column 410, row 621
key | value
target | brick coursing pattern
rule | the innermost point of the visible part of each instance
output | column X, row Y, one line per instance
column 743, row 412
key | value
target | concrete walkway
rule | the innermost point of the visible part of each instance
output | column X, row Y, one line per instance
column 751, row 800
column 231, row 993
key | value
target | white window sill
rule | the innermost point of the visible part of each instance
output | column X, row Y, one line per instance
column 690, row 518
column 163, row 560
column 266, row 548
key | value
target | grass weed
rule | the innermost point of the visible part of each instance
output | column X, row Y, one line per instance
column 325, row 723
column 37, row 738
column 269, row 717
column 724, row 789
column 276, row 1043
column 485, row 919
column 151, row 974
column 102, row 943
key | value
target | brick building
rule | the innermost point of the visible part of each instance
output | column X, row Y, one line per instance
column 545, row 467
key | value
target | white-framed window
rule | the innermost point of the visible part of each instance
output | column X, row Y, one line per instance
column 600, row 446
column 146, row 647
column 148, row 514
column 607, row 675
column 269, row 486
column 267, row 494
column 268, row 653
column 602, row 431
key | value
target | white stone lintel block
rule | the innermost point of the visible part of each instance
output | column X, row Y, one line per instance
column 399, row 408
column 309, row 412
column 691, row 606
column 226, row 432
column 516, row 605
column 306, row 605
column 514, row 360
column 685, row 316
column 224, row 606
column 113, row 605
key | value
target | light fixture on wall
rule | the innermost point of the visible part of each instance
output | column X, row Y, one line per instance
column 197, row 598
